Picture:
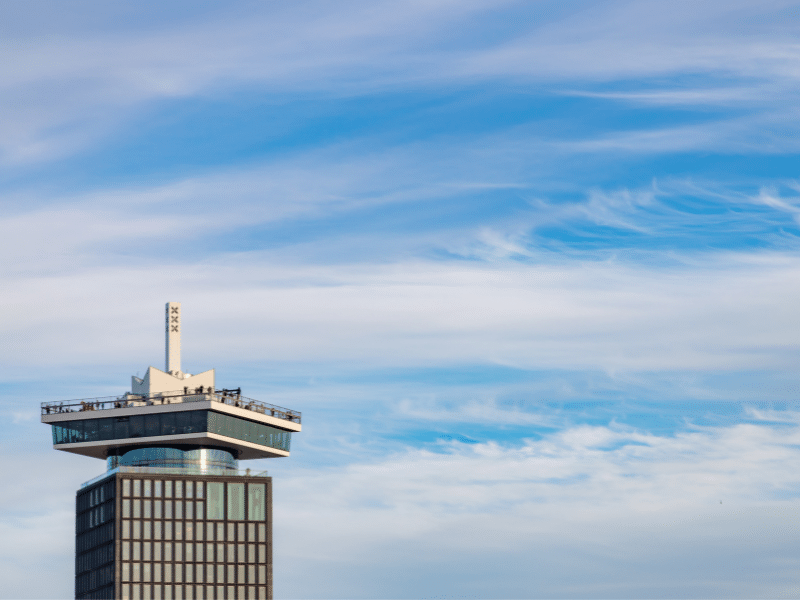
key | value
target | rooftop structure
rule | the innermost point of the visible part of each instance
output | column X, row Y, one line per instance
column 172, row 445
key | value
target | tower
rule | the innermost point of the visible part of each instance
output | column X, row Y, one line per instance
column 173, row 518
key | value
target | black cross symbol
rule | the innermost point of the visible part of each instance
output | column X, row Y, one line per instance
column 175, row 328
column 175, row 310
column 174, row 319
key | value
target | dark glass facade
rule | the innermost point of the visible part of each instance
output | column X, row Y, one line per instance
column 170, row 537
column 170, row 423
column 95, row 540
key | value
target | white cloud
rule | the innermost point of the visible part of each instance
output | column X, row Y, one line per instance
column 589, row 502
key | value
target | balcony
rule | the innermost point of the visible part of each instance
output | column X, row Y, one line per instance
column 229, row 397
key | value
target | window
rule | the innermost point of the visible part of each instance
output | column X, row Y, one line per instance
column 215, row 506
column 236, row 501
column 255, row 505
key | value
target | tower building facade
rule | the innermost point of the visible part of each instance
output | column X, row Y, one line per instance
column 173, row 517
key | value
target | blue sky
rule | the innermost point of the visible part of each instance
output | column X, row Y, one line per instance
column 529, row 269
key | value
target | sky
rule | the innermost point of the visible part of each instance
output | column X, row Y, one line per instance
column 529, row 270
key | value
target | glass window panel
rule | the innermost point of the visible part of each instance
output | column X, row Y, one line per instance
column 168, row 573
column 167, row 530
column 156, row 530
column 220, row 591
column 240, row 574
column 158, row 488
column 152, row 425
column 167, row 589
column 199, row 421
column 148, row 487
column 168, row 424
column 126, row 529
column 157, row 508
column 235, row 501
column 262, row 532
column 209, row 552
column 147, row 511
column 167, row 551
column 136, row 426
column 198, row 572
column 137, row 530
column 137, row 487
column 178, row 530
column 241, row 556
column 256, row 494
column 179, row 489
column 198, row 552
column 126, row 550
column 126, row 487
column 122, row 428
column 220, row 553
column 146, row 551
column 126, row 571
column 183, row 422
column 168, row 489
column 251, row 532
column 220, row 531
column 135, row 572
column 231, row 531
column 137, row 509
column 146, row 530
column 262, row 593
column 220, row 573
column 178, row 509
column 214, row 506
column 262, row 553
column 215, row 423
column 198, row 531
column 241, row 531
column 188, row 574
column 167, row 509
column 177, row 592
column 126, row 592
column 209, row 531
column 199, row 489
column 156, row 572
column 91, row 431
column 231, row 579
column 146, row 572
column 157, row 549
column 251, row 574
column 126, row 509
column 137, row 550
column 251, row 553
column 231, row 553
column 178, row 552
column 136, row 590
column 262, row 574
column 190, row 489
column 189, row 510
column 178, row 573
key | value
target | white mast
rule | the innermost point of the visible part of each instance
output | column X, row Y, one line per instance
column 173, row 338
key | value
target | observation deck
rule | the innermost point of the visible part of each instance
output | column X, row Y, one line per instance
column 103, row 427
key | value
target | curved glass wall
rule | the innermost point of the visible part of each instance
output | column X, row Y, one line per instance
column 170, row 423
column 205, row 460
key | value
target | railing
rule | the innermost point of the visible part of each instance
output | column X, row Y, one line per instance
column 175, row 471
column 230, row 397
